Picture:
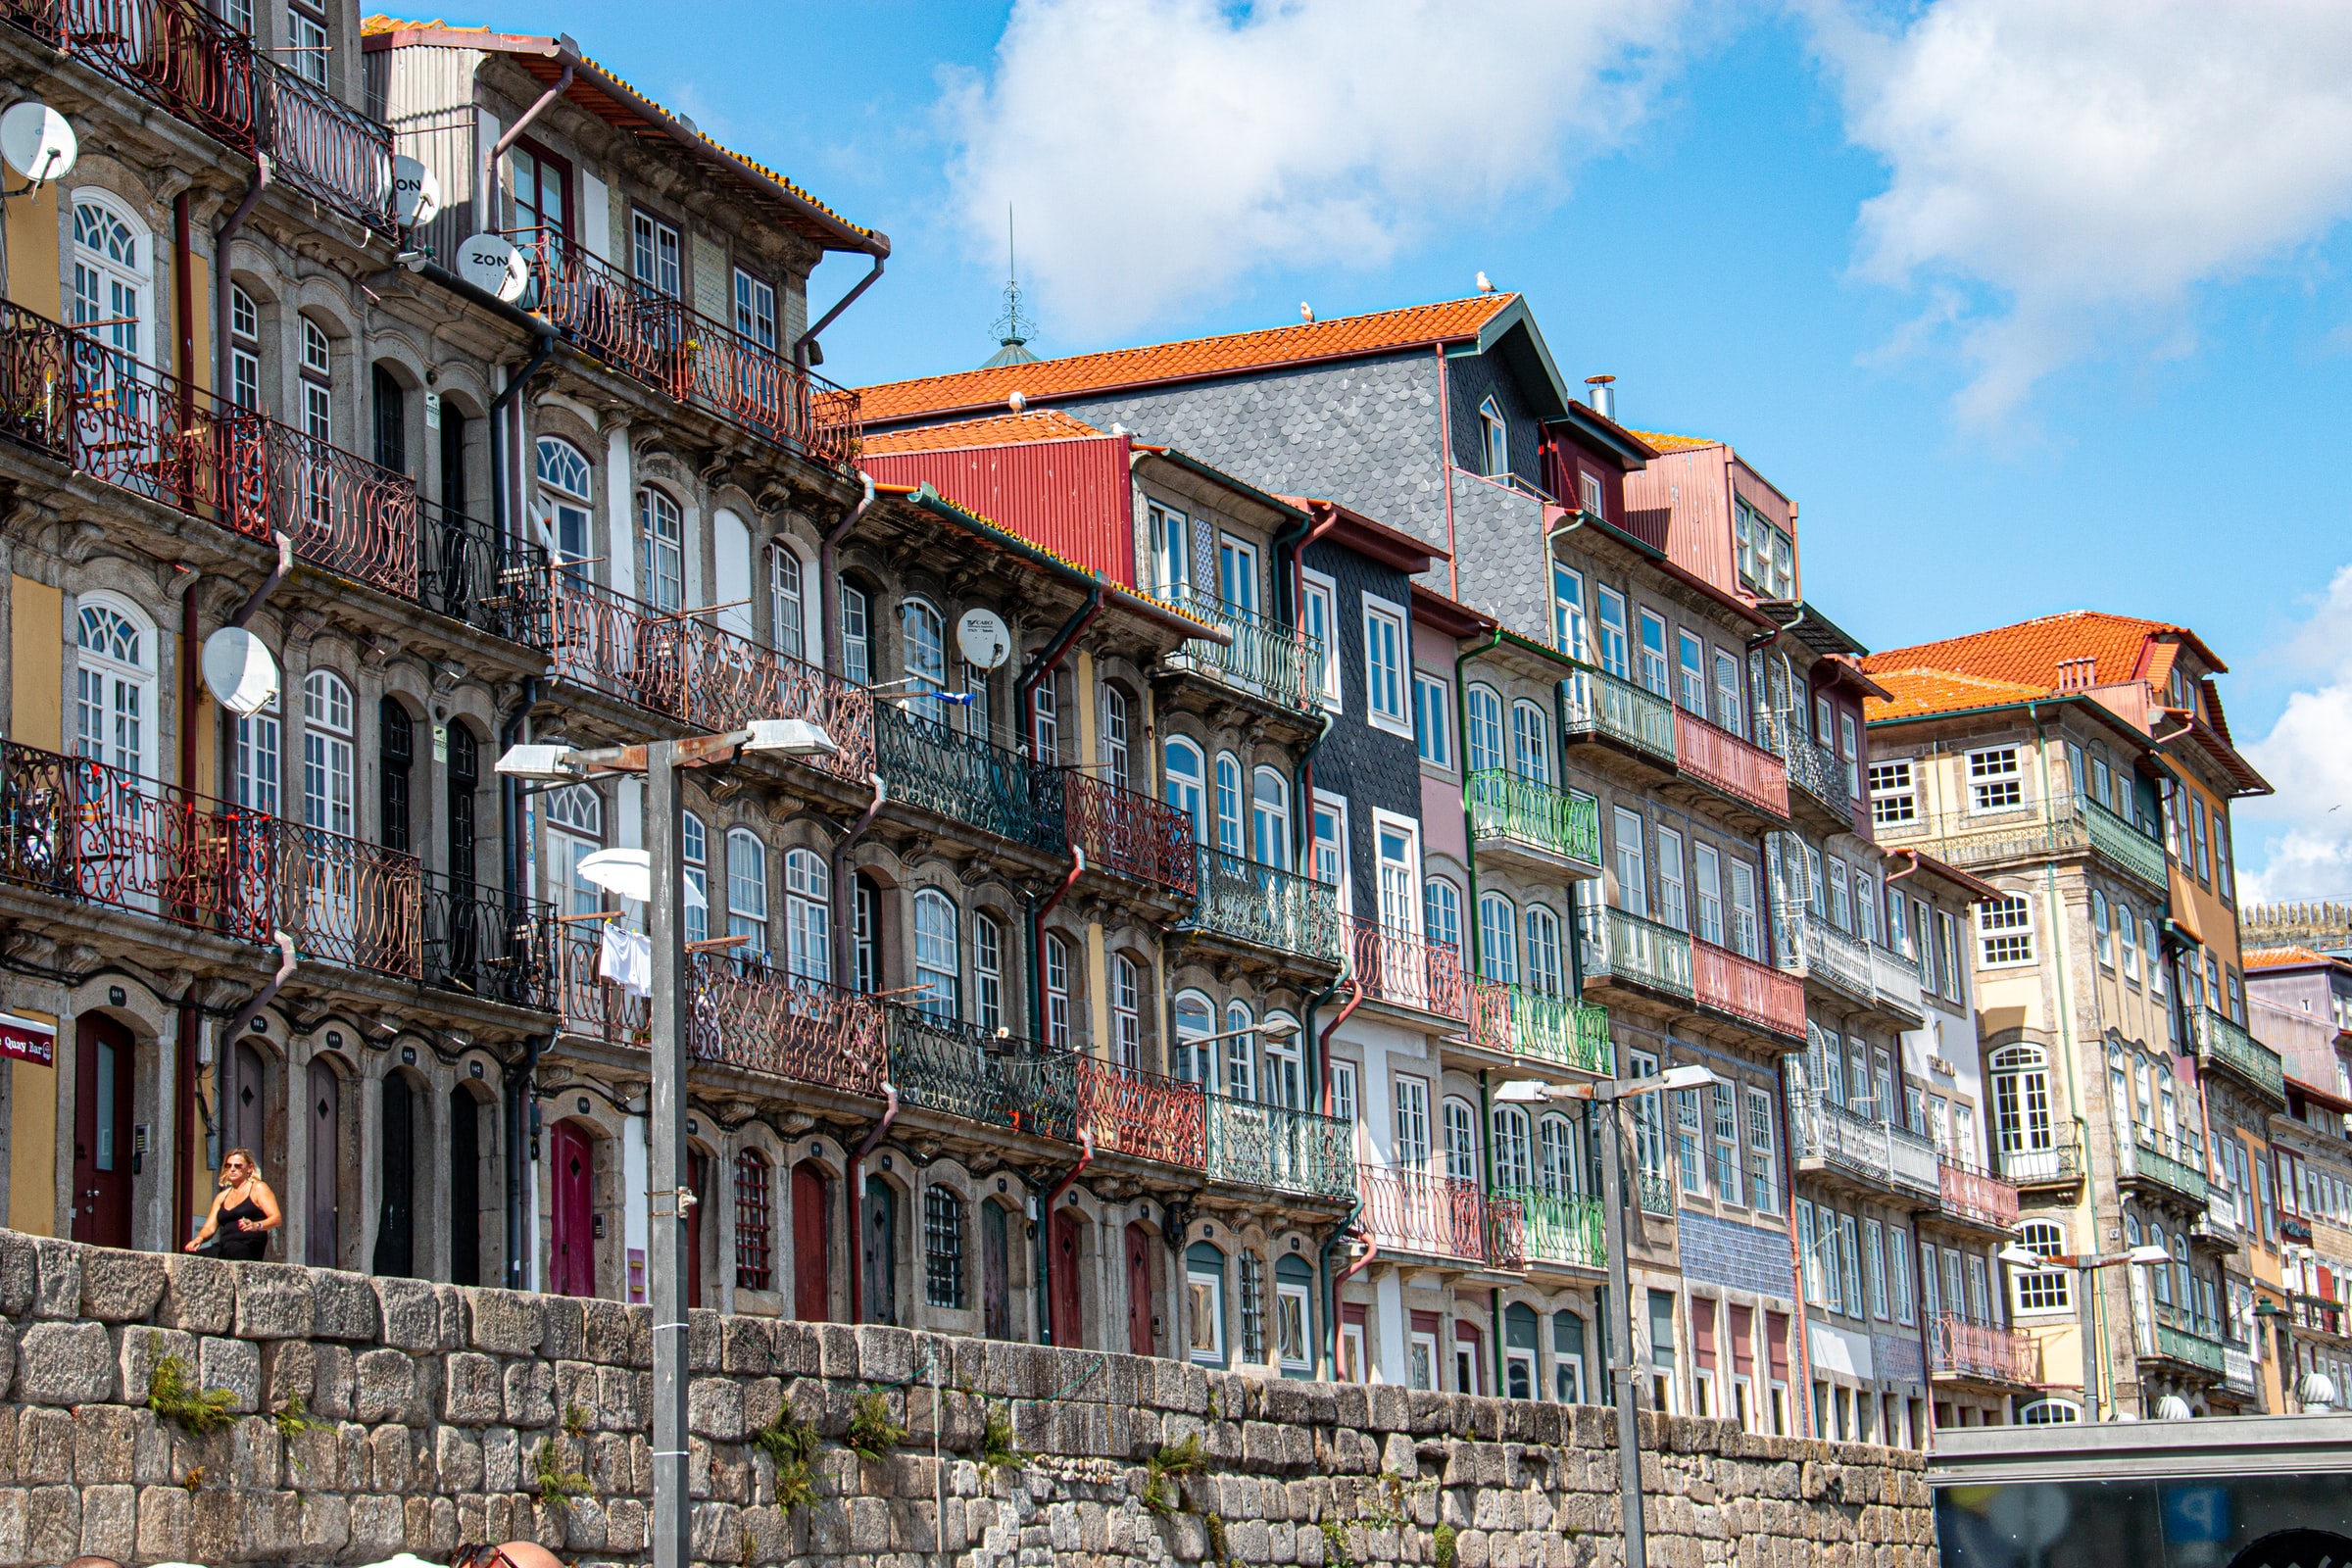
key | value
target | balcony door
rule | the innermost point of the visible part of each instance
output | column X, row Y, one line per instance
column 574, row 1231
column 1237, row 572
column 996, row 1275
column 1063, row 1284
column 322, row 1246
column 104, row 1059
column 880, row 1244
column 1139, row 1291
column 396, row 1222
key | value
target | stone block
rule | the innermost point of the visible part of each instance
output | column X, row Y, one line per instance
column 502, row 1460
column 621, row 1399
column 885, row 1355
column 378, row 1528
column 53, row 1523
column 200, row 1295
column 504, row 1322
column 324, row 1526
column 457, row 1459
column 118, row 1287
column 624, row 1527
column 763, row 1404
column 527, row 1393
column 289, row 1372
column 716, row 1530
column 165, row 1515
column 256, row 1454
column 336, row 1380
column 703, row 1340
column 386, row 1382
column 343, row 1305
column 411, row 1314
column 231, row 1365
column 563, row 1328
column 715, row 1408
column 273, row 1301
column 746, row 1346
column 471, row 1389
column 837, row 1349
column 19, row 1278
column 798, row 1349
column 65, row 1364
column 766, row 1534
column 57, row 1292
column 605, row 1334
column 44, row 1446
column 106, row 1444
column 391, row 1459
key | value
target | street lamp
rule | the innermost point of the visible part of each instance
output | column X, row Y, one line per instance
column 668, row 1195
column 1604, row 1096
column 2085, row 1264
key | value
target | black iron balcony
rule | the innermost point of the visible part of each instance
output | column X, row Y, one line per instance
column 968, row 779
column 481, row 942
column 945, row 1065
column 1266, row 906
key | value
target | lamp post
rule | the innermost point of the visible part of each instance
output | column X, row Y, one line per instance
column 659, row 881
column 2086, row 1265
column 2282, row 1318
column 1605, row 1096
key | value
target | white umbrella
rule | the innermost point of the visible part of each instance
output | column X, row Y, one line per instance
column 628, row 874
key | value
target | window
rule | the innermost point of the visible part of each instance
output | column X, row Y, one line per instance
column 1514, row 1159
column 114, row 694
column 1947, row 945
column 1568, row 610
column 1545, row 973
column 654, row 254
column 1841, row 911
column 1285, row 1067
column 566, row 492
column 1461, row 1140
column 1330, row 856
column 1237, row 574
column 784, row 601
column 1485, row 729
column 943, row 1247
column 1126, row 1010
column 746, row 891
column 925, row 654
column 1342, row 1092
column 318, row 396
column 1432, row 719
column 1672, row 905
column 111, row 279
column 2127, row 925
column 662, row 549
column 2103, row 934
column 1412, row 1124
column 1995, row 781
column 327, row 750
column 2049, row 1413
column 1746, row 934
column 1632, row 879
column 2005, row 931
column 1763, row 1159
column 1240, row 1052
column 937, row 971
column 1874, row 1268
column 1441, row 912
column 1270, row 819
column 865, row 934
column 1653, row 652
column 1808, row 1249
column 1530, row 742
column 1709, row 868
column 1397, row 853
column 1195, row 1064
column 1555, row 1149
column 1727, row 1142
column 1850, row 1252
column 694, row 848
column 1386, row 651
column 260, row 743
column 1615, row 656
column 1691, row 656
column 1849, row 751
column 1044, row 718
column 987, row 973
column 1498, row 938
column 306, row 41
column 856, row 636
column 1058, row 991
column 1185, row 775
column 754, row 1229
column 1171, row 552
column 1730, row 709
column 576, row 823
column 1894, row 795
column 1899, row 1270
column 2223, row 881
column 808, row 913
column 1495, row 440
column 2039, row 1290
column 1229, row 803
column 756, row 309
column 1205, row 1302
column 2196, row 833
column 1254, row 1307
column 1687, row 1151
column 1292, row 1310
column 1865, row 905
column 1588, row 492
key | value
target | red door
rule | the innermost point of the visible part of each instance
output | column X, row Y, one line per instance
column 698, row 1177
column 1065, row 1278
column 812, row 1257
column 1139, row 1291
column 574, row 1230
column 102, row 1068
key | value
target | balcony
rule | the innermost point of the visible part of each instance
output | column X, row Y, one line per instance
column 703, row 677
column 1130, row 1111
column 1826, row 1137
column 2221, row 1043
column 1405, row 970
column 1558, row 1029
column 1719, row 759
column 1654, row 1190
column 1816, row 770
column 1128, row 833
column 2044, row 1156
column 470, row 575
column 2149, row 1157
column 1629, row 948
column 764, row 1019
column 2172, row 1333
column 2072, row 825
column 1598, row 706
column 1977, row 1198
column 481, row 943
column 1741, row 987
column 667, row 345
column 968, row 779
column 1803, row 943
column 1560, row 1229
column 1251, row 1144
column 1266, row 906
column 1982, row 1352
column 1426, row 1216
column 960, row 1069
column 1268, row 661
column 1894, row 981
column 2218, row 1228
column 2237, row 1370
column 1555, row 829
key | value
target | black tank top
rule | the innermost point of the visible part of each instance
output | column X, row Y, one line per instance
column 244, row 1246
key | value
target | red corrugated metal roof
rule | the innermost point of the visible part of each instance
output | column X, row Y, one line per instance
column 1068, row 495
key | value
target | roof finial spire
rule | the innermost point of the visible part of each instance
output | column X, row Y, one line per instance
column 1013, row 327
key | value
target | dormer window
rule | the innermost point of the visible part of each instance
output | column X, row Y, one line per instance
column 1495, row 439
column 1590, row 485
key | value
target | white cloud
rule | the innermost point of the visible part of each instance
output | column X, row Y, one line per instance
column 1157, row 152
column 2308, row 757
column 2082, row 165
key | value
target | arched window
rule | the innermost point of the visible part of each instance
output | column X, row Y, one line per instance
column 260, row 753
column 784, row 601
column 1127, row 1010
column 755, row 1229
column 113, row 687
column 747, row 892
column 1494, row 438
column 566, row 492
column 1185, row 777
column 2104, row 933
column 1514, row 1163
column 1270, row 818
column 1461, row 1140
column 114, row 268
column 2154, row 956
column 694, row 849
column 1556, row 1150
column 575, row 830
column 1058, row 991
column 1441, row 911
column 245, row 350
column 1498, row 938
column 1195, row 1064
column 327, row 753
column 1286, row 1067
column 2049, row 1413
column 1240, row 1052
column 1544, row 970
column 808, row 913
column 2023, row 1139
column 1530, row 742
column 2041, row 1289
column 2160, row 1274
column 1114, row 734
column 1228, row 804
column 1485, row 728
column 925, row 636
column 987, row 973
column 661, row 548
column 937, row 970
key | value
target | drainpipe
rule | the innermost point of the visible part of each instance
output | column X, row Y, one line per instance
column 260, row 999
column 1048, row 657
column 510, row 792
column 1453, row 564
column 1485, row 1151
column 1045, row 1235
column 1356, row 1000
column 518, row 1090
column 183, row 1138
column 1371, row 1251
column 857, row 1196
column 261, row 591
column 493, row 219
column 507, row 473
column 831, row 578
column 190, row 640
column 802, row 345
column 1801, row 1332
column 1461, row 755
column 220, row 284
column 1036, row 941
column 845, row 888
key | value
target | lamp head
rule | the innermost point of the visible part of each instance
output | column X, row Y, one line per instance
column 1523, row 1091
column 792, row 737
column 545, row 764
column 2154, row 1256
column 1278, row 1028
column 1692, row 1075
column 2017, row 1257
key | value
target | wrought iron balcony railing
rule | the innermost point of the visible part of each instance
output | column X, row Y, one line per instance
column 1558, row 824
column 968, row 779
column 1558, row 1029
column 1268, row 907
column 1634, row 949
column 1805, row 944
column 1131, row 1112
column 2223, row 1042
column 1655, row 1188
column 1894, row 979
column 1406, row 970
column 1267, row 659
column 2043, row 1155
column 1742, row 987
column 1827, row 1134
column 667, row 345
column 468, row 574
column 480, row 942
column 1128, row 832
column 2069, row 825
column 2149, row 1155
column 1720, row 758
column 1561, row 1228
column 1815, row 769
column 700, row 675
column 766, row 1020
column 946, row 1064
column 1977, row 1195
column 349, row 902
column 1428, row 1216
column 1597, row 703
column 1984, row 1352
column 2177, row 1335
column 322, row 147
column 2217, row 1225
column 1252, row 1143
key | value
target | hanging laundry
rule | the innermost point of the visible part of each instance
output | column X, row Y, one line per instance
column 627, row 958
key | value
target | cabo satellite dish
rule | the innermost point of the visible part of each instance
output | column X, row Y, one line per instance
column 492, row 264
column 36, row 141
column 982, row 636
column 416, row 192
column 239, row 671
column 630, row 874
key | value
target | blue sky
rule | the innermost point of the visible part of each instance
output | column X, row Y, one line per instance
column 2011, row 353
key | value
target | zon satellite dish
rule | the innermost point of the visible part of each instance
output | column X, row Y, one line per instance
column 492, row 264
column 982, row 636
column 36, row 141
column 239, row 671
column 416, row 192
column 630, row 874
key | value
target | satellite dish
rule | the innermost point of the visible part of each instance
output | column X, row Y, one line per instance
column 239, row 671
column 36, row 141
column 2173, row 1407
column 982, row 636
column 416, row 192
column 492, row 264
column 630, row 874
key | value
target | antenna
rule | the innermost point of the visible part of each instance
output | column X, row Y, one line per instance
column 1012, row 327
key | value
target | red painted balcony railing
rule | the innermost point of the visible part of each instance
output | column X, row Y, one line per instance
column 174, row 53
column 1400, row 967
column 1430, row 1216
column 698, row 674
column 669, row 346
column 1128, row 832
column 764, row 1019
column 349, row 902
column 1966, row 1350
column 1745, row 989
column 1131, row 1112
column 1506, row 1234
column 1973, row 1195
column 1722, row 759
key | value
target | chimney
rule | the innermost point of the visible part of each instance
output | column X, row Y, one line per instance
column 1602, row 394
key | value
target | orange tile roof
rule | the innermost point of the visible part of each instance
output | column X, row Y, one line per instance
column 1000, row 431
column 2030, row 651
column 1342, row 337
column 1915, row 693
column 2292, row 955
column 1675, row 443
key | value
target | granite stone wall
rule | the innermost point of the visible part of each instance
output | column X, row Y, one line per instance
column 367, row 1416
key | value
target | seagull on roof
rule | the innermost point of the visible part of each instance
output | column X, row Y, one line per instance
column 1306, row 312
column 1484, row 285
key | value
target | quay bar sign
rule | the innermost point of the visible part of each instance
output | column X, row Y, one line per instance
column 27, row 1040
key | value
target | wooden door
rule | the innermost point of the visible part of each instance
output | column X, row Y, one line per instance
column 698, row 1177
column 323, row 1248
column 879, row 1272
column 1063, row 1286
column 103, row 1060
column 396, row 1220
column 465, row 1187
column 243, row 1126
column 996, row 1291
column 573, row 1232
column 1139, row 1290
column 812, row 1256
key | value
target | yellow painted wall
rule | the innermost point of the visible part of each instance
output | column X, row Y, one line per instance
column 34, row 276
column 1097, row 990
column 1086, row 707
column 199, row 272
column 36, row 658
column 32, row 1139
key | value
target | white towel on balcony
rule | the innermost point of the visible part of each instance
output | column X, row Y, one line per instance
column 627, row 958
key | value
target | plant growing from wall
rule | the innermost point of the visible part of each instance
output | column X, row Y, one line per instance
column 1335, row 1545
column 577, row 1420
column 1446, row 1545
column 293, row 1419
column 172, row 1394
column 998, row 1449
column 792, row 1446
column 1162, row 1487
column 556, row 1485
column 872, row 1433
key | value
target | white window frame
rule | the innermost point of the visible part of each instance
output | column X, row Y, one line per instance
column 1318, row 617
column 1996, row 780
column 1380, row 615
column 1493, row 440
column 1194, row 1278
column 1286, row 1294
column 1432, row 719
column 2005, row 932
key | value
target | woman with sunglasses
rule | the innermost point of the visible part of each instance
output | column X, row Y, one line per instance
column 244, row 1212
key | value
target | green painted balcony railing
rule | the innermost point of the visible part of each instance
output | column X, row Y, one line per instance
column 1251, row 1144
column 945, row 1065
column 2182, row 1337
column 2149, row 1154
column 1535, row 1023
column 2141, row 853
column 1266, row 658
column 1595, row 702
column 1635, row 951
column 2220, row 1041
column 1550, row 821
column 1266, row 906
column 1561, row 1228
column 2070, row 824
column 968, row 779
